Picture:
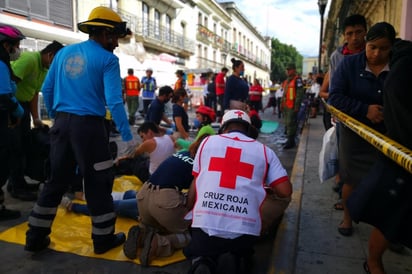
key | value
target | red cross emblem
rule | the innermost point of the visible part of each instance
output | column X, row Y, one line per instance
column 239, row 114
column 230, row 167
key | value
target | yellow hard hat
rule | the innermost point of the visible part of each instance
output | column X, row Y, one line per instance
column 104, row 17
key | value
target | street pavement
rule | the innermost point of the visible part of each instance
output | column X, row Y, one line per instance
column 306, row 241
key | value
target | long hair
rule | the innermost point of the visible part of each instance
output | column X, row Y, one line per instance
column 5, row 56
column 181, row 92
column 196, row 144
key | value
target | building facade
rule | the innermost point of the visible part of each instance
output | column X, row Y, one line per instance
column 196, row 36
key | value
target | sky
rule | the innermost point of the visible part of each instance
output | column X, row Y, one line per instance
column 292, row 22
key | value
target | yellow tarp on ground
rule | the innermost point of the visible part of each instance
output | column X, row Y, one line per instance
column 71, row 232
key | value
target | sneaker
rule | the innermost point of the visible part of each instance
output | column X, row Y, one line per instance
column 132, row 242
column 23, row 194
column 289, row 144
column 202, row 265
column 8, row 214
column 103, row 247
column 37, row 246
column 66, row 203
column 149, row 245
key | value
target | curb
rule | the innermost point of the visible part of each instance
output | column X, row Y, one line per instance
column 286, row 241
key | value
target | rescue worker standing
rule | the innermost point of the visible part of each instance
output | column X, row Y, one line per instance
column 132, row 92
column 291, row 100
column 82, row 80
column 149, row 87
column 30, row 70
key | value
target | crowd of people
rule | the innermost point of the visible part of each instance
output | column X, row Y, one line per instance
column 237, row 187
column 79, row 147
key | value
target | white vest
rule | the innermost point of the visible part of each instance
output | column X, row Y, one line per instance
column 232, row 170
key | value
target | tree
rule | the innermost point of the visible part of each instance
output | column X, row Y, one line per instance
column 282, row 55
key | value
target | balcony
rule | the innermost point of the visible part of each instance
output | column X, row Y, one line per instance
column 210, row 38
column 242, row 53
column 157, row 36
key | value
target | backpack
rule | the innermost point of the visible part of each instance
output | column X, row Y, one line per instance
column 138, row 166
column 38, row 164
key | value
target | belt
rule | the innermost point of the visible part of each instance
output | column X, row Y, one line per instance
column 67, row 115
column 153, row 186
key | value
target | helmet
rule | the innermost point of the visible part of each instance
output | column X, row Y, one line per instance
column 235, row 115
column 104, row 17
column 8, row 32
column 208, row 111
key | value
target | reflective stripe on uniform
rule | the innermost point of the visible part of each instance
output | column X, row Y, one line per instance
column 103, row 165
column 102, row 231
column 98, row 224
column 42, row 210
column 103, row 218
column 34, row 221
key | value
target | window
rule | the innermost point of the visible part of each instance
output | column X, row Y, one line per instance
column 157, row 24
column 199, row 18
column 168, row 28
column 60, row 12
column 145, row 19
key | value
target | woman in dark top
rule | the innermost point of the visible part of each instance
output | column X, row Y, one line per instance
column 180, row 117
column 237, row 89
column 357, row 90
column 383, row 198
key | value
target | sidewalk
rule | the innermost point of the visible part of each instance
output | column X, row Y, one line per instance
column 308, row 241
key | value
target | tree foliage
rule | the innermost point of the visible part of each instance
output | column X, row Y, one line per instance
column 282, row 55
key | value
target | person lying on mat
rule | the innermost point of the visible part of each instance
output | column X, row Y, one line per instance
column 124, row 203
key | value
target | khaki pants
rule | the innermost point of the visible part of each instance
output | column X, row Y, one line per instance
column 272, row 209
column 165, row 210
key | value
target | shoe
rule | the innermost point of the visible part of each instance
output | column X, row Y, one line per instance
column 103, row 247
column 345, row 231
column 203, row 265
column 22, row 184
column 132, row 242
column 336, row 188
column 366, row 267
column 37, row 246
column 147, row 246
column 23, row 194
column 66, row 203
column 396, row 247
column 8, row 214
column 338, row 205
column 289, row 144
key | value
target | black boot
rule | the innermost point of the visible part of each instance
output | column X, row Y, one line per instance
column 37, row 245
column 290, row 143
column 8, row 214
column 19, row 189
column 115, row 240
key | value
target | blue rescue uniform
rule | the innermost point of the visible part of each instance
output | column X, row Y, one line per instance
column 83, row 79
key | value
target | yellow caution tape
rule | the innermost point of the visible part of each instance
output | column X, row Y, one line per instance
column 393, row 150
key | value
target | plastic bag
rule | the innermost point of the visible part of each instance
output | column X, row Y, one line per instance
column 328, row 156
